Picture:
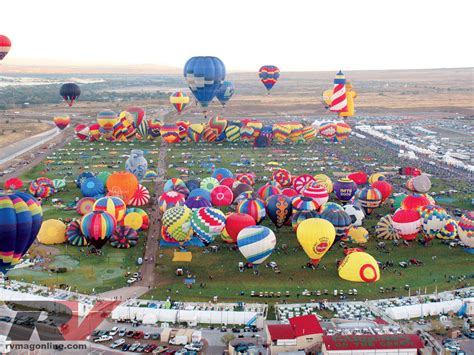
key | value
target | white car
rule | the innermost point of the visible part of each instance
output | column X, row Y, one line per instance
column 117, row 343
column 193, row 347
column 103, row 338
column 131, row 280
column 122, row 332
column 113, row 331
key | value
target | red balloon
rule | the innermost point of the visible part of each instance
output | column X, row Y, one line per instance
column 235, row 222
column 360, row 178
column 384, row 187
column 228, row 182
column 222, row 196
column 413, row 202
column 289, row 192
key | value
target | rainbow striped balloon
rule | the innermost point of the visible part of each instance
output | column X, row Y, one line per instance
column 111, row 204
column 98, row 226
column 179, row 100
column 256, row 243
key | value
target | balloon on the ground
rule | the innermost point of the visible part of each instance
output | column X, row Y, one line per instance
column 140, row 197
column 384, row 229
column 194, row 202
column 137, row 164
column 433, row 218
column 52, row 231
column 407, row 223
column 207, row 224
column 122, row 185
column 317, row 192
column 136, row 218
column 107, row 119
column 222, row 173
column 256, row 243
column 338, row 98
column 82, row 131
column 282, row 176
column 279, row 209
column 98, row 226
column 325, row 181
column 20, row 221
column 414, row 202
column 85, row 205
column 345, row 189
column 316, row 236
column 113, row 205
column 92, row 187
column 74, row 235
column 209, row 183
column 369, row 198
column 340, row 220
column 466, row 229
column 124, row 237
column 356, row 213
column 235, row 222
column 41, row 187
column 384, row 187
column 300, row 182
column 359, row 267
column 300, row 216
column 358, row 235
column 376, row 177
column 222, row 196
column 177, row 221
column 268, row 190
column 359, row 177
column 13, row 184
column 303, row 203
column 449, row 231
column 253, row 207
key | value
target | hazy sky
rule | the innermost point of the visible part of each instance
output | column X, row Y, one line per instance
column 245, row 34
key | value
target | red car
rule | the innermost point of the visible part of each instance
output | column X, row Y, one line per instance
column 150, row 348
column 138, row 334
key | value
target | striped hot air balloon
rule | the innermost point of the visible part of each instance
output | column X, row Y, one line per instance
column 256, row 243
column 179, row 100
column 207, row 223
column 338, row 98
column 98, row 226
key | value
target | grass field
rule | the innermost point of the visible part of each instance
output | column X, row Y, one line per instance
column 442, row 265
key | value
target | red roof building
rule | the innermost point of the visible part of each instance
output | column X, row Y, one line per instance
column 305, row 325
column 371, row 344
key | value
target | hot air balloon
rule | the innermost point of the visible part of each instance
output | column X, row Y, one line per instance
column 232, row 133
column 5, row 46
column 41, row 187
column 466, row 231
column 82, row 131
column 433, row 218
column 177, row 221
column 358, row 235
column 268, row 190
column 136, row 218
column 111, row 204
column 122, row 185
column 170, row 199
column 300, row 216
column 300, row 182
column 256, row 243
column 282, row 176
column 339, row 98
column 225, row 92
column 279, row 209
column 207, row 224
column 92, row 187
column 70, row 92
column 325, row 181
column 420, row 183
column 13, row 184
column 62, row 121
column 385, row 230
column 74, row 235
column 222, row 173
column 316, row 236
column 209, row 183
column 170, row 133
column 328, row 131
column 414, row 202
column 85, row 205
column 246, row 178
column 359, row 177
column 195, row 202
column 107, row 119
column 20, row 221
column 253, row 207
column 359, row 267
column 195, row 131
column 52, row 231
column 449, row 231
column 179, row 100
column 330, row 206
column 407, row 223
column 269, row 75
column 235, row 222
column 317, row 192
column 176, row 184
column 340, row 220
column 154, row 127
column 376, row 177
column 124, row 237
column 384, row 187
column 345, row 189
column 369, row 198
column 303, row 203
column 98, row 226
column 204, row 76
column 140, row 197
column 343, row 130
column 222, row 196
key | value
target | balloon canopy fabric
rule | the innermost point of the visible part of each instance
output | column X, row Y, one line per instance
column 338, row 98
column 359, row 267
column 316, row 236
column 74, row 235
column 70, row 92
column 253, row 207
column 124, row 237
column 113, row 205
column 5, row 45
column 194, row 202
column 136, row 218
column 204, row 75
column 384, row 229
column 207, row 223
column 407, row 223
column 466, row 229
column 13, row 184
column 256, row 243
column 369, row 198
column 62, row 121
column 345, row 189
column 21, row 217
column 177, row 221
column 122, row 185
column 225, row 92
column 340, row 220
column 356, row 213
column 92, row 187
column 140, row 197
column 52, row 231
column 279, row 209
column 269, row 75
column 171, row 199
column 85, row 205
column 179, row 100
column 98, row 226
column 235, row 222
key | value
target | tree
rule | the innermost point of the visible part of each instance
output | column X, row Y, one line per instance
column 227, row 338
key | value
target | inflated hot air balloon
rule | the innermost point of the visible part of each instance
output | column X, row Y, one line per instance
column 340, row 220
column 279, row 209
column 106, row 120
column 300, row 182
column 449, row 230
column 303, row 203
column 41, row 187
column 85, row 205
column 316, row 236
column 62, row 121
column 414, row 202
column 21, row 217
column 179, row 100
column 225, row 92
column 124, row 237
column 282, row 176
column 328, row 131
column 13, row 184
column 385, row 230
column 376, row 177
column 5, row 45
column 256, row 243
column 433, row 218
column 92, row 187
column 154, row 127
column 82, row 131
column 170, row 133
column 52, row 231
column 359, row 177
column 317, row 192
column 466, row 231
column 325, row 181
column 176, row 184
column 369, row 198
column 111, row 204
column 359, row 267
column 253, row 207
column 136, row 218
column 98, row 226
column 269, row 75
column 209, row 183
column 222, row 196
column 170, row 199
column 409, row 171
column 358, row 235
column 268, row 190
column 195, row 202
column 122, row 185
column 246, row 178
column 343, row 130
column 222, row 173
column 356, row 213
column 195, row 131
column 183, row 129
column 177, row 221
column 207, row 224
column 330, row 206
column 94, row 132
column 345, row 189
column 407, row 223
column 74, row 235
column 235, row 222
column 300, row 216
column 420, row 183
column 204, row 76
column 339, row 98
column 232, row 133
column 70, row 92
column 217, row 124
column 384, row 187
column 140, row 197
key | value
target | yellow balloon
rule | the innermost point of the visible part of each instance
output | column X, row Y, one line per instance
column 316, row 236
column 359, row 267
column 133, row 220
column 350, row 95
column 197, row 127
column 376, row 177
column 52, row 231
column 325, row 181
column 358, row 235
column 327, row 97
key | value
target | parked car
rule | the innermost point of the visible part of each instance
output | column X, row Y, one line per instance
column 129, row 334
column 146, row 336
column 223, row 329
column 138, row 334
column 194, row 347
column 140, row 349
column 122, row 332
column 160, row 349
column 117, row 343
column 103, row 338
column 114, row 331
column 6, row 319
column 155, row 336
column 134, row 347
column 125, row 347
column 150, row 347
column 235, row 330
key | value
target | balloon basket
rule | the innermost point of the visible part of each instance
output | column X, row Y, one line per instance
column 182, row 256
